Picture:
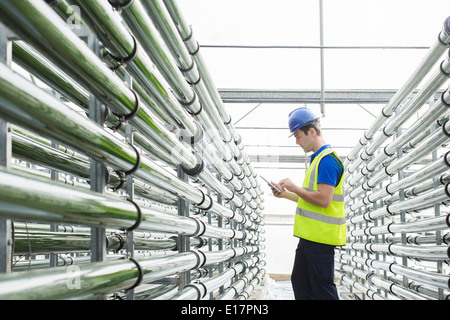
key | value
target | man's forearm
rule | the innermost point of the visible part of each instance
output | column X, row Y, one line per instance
column 321, row 197
column 291, row 196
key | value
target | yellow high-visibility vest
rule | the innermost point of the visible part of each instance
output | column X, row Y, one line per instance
column 314, row 223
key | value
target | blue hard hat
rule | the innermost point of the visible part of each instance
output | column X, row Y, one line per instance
column 300, row 117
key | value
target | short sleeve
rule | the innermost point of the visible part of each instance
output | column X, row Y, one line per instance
column 330, row 171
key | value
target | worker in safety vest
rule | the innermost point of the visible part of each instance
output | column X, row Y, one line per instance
column 320, row 216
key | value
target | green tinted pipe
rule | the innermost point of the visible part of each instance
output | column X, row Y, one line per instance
column 84, row 281
column 24, row 198
column 122, row 45
column 42, row 28
column 100, row 17
column 30, row 59
column 27, row 105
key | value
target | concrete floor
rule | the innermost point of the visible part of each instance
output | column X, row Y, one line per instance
column 278, row 287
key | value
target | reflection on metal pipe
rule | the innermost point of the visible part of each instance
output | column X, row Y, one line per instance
column 28, row 58
column 86, row 281
column 27, row 199
column 29, row 242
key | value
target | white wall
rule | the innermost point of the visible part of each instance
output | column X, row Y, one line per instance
column 280, row 248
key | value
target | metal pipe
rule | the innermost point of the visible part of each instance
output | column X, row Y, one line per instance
column 427, row 172
column 161, row 17
column 100, row 14
column 30, row 150
column 401, row 191
column 93, row 279
column 137, row 18
column 430, row 278
column 382, row 283
column 427, row 253
column 167, row 27
column 158, row 268
column 33, row 61
column 433, row 279
column 27, row 199
column 434, row 294
column 39, row 22
column 27, row 57
column 71, row 128
column 394, row 288
column 44, row 201
column 94, row 75
column 86, row 278
column 122, row 45
column 420, row 189
column 35, row 108
column 40, row 242
column 386, row 285
column 214, row 283
column 423, row 201
column 208, row 285
column 424, row 148
column 71, row 260
column 177, row 22
column 419, row 240
column 437, row 79
column 435, row 51
column 86, row 281
column 421, row 225
column 420, row 129
column 420, row 202
column 147, row 35
column 161, row 292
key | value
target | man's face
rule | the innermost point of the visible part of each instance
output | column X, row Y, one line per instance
column 303, row 140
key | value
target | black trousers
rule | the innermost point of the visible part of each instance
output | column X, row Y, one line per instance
column 313, row 272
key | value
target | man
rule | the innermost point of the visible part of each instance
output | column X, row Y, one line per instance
column 320, row 216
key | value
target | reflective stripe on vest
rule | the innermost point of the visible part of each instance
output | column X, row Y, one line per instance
column 320, row 217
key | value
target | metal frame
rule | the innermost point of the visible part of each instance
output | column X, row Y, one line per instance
column 6, row 232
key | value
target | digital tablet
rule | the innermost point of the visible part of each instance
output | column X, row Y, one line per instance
column 270, row 184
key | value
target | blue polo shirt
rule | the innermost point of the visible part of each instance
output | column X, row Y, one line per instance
column 330, row 170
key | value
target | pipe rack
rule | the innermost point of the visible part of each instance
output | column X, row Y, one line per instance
column 397, row 192
column 125, row 170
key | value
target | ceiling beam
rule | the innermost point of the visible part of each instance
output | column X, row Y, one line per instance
column 305, row 96
column 257, row 158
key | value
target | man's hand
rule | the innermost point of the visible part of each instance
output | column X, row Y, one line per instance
column 275, row 192
column 285, row 186
column 288, row 185
column 322, row 197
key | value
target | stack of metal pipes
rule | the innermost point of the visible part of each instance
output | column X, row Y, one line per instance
column 122, row 176
column 397, row 191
